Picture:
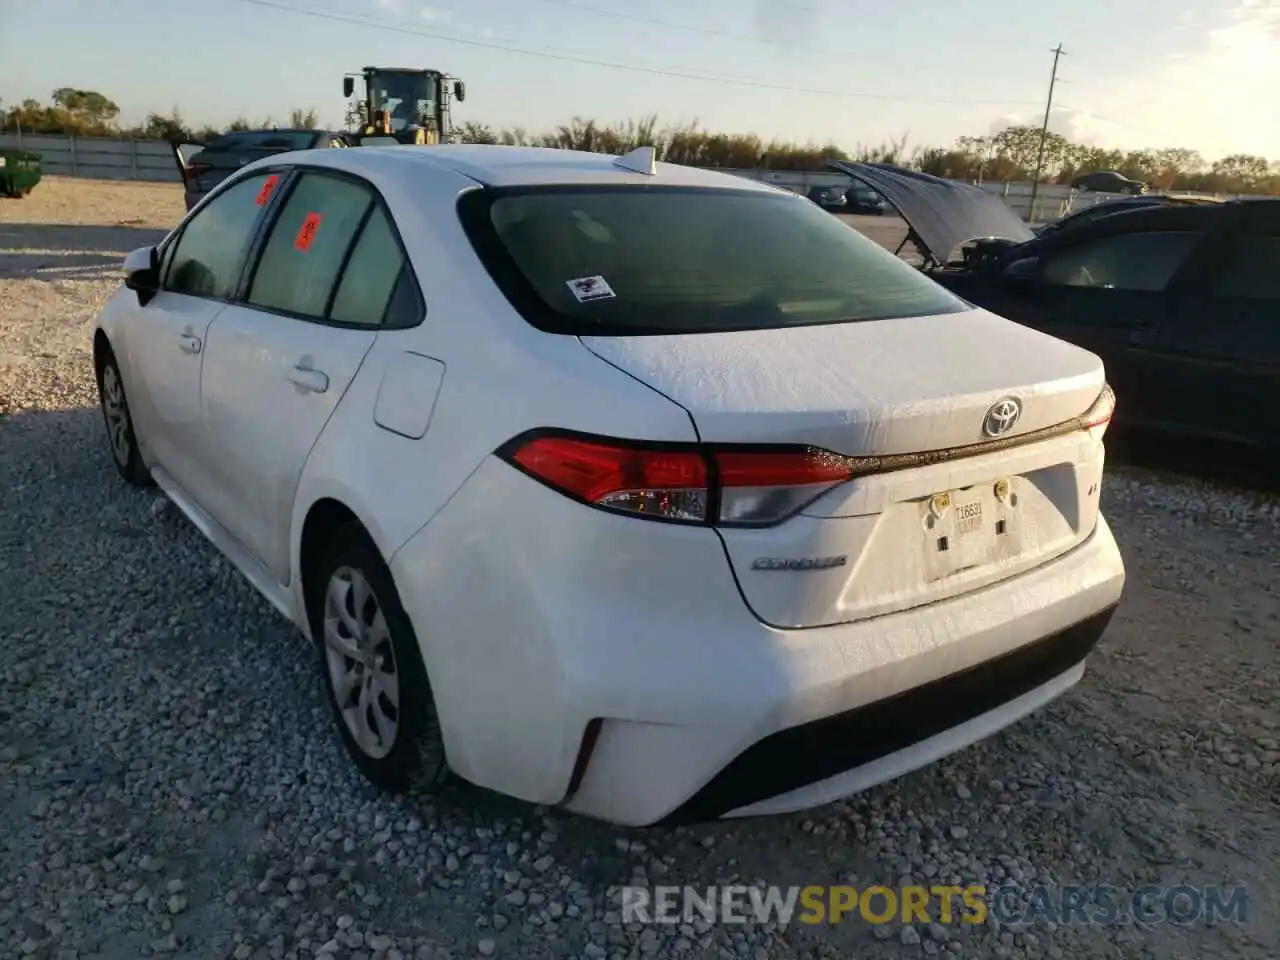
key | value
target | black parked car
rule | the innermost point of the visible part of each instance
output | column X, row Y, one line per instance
column 204, row 166
column 1108, row 181
column 830, row 199
column 1181, row 301
column 865, row 201
column 1103, row 209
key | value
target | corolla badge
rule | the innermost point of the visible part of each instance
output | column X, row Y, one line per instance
column 799, row 563
column 1002, row 417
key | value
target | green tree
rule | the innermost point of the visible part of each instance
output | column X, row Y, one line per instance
column 87, row 111
column 473, row 132
column 160, row 127
column 1243, row 170
column 1020, row 147
column 300, row 119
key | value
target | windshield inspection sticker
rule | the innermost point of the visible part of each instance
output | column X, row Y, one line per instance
column 587, row 289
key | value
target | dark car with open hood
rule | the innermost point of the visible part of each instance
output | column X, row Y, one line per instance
column 1180, row 300
column 203, row 166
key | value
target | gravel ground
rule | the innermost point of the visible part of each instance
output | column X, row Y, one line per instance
column 170, row 783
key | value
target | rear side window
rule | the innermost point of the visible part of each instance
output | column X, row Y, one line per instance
column 372, row 272
column 1252, row 272
column 208, row 255
column 652, row 260
column 1127, row 261
column 308, row 245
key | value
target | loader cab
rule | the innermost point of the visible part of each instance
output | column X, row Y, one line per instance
column 410, row 105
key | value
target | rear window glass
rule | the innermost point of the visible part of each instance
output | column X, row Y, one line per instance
column 263, row 140
column 637, row 260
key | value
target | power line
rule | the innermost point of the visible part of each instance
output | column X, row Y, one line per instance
column 655, row 21
column 376, row 24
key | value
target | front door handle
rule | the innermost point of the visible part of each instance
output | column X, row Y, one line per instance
column 315, row 381
column 190, row 343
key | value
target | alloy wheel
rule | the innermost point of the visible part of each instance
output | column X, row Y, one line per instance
column 361, row 662
column 116, row 411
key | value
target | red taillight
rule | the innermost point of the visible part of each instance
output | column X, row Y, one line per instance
column 683, row 482
column 666, row 483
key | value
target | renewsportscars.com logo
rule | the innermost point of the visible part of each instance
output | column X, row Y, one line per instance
column 1097, row 905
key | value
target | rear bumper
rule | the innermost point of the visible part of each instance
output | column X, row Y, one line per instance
column 610, row 665
column 826, row 759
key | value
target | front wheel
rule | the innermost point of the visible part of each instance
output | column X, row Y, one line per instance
column 374, row 677
column 119, row 423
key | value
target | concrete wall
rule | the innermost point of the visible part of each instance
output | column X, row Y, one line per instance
column 99, row 158
column 110, row 159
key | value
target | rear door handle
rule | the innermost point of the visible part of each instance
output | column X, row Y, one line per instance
column 190, row 343
column 315, row 381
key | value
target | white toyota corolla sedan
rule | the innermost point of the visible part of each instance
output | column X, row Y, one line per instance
column 651, row 492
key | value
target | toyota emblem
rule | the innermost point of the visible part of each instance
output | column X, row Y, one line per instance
column 1002, row 417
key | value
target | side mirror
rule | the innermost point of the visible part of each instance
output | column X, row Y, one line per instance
column 459, row 91
column 142, row 273
column 348, row 86
column 1024, row 271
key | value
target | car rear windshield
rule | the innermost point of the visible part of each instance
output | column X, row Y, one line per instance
column 263, row 140
column 622, row 260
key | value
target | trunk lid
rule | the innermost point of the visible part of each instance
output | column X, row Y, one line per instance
column 870, row 388
column 887, row 542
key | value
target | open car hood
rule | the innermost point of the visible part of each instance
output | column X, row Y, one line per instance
column 941, row 213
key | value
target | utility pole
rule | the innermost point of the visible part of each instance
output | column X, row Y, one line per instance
column 1044, row 130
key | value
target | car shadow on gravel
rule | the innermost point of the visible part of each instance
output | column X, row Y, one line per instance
column 42, row 251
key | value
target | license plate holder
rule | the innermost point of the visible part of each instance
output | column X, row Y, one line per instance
column 963, row 529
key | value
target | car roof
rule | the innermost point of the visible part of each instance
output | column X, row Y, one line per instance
column 502, row 166
column 1171, row 216
column 246, row 133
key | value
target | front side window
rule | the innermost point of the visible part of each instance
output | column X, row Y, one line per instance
column 209, row 253
column 634, row 260
column 1127, row 261
column 307, row 245
column 1252, row 272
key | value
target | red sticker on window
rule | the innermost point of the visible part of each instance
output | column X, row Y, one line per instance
column 307, row 232
column 268, row 186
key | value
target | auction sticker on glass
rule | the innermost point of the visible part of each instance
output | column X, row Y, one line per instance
column 589, row 289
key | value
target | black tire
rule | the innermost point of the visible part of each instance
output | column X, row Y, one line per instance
column 416, row 757
column 121, row 437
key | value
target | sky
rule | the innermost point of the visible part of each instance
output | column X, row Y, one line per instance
column 1201, row 74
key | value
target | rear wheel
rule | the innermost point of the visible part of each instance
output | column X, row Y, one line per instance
column 119, row 423
column 372, row 667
